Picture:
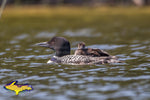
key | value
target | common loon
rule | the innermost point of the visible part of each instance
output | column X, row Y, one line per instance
column 62, row 48
column 89, row 51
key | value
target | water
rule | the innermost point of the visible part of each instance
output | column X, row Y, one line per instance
column 21, row 60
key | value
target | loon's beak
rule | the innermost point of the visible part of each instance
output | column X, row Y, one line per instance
column 43, row 44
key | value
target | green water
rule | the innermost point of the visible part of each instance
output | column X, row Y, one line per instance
column 127, row 37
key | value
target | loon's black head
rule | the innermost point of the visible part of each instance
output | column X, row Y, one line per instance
column 59, row 44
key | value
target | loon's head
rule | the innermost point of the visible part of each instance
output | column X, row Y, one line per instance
column 59, row 44
column 81, row 45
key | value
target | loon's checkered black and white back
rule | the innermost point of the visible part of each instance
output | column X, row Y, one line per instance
column 83, row 60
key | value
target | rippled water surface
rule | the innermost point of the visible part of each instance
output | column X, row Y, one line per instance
column 21, row 60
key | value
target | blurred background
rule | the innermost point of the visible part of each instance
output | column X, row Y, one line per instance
column 120, row 27
column 79, row 2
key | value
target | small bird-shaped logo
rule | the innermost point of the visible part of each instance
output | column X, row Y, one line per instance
column 13, row 86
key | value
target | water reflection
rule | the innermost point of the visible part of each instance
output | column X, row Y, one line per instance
column 45, row 35
column 82, row 32
column 22, row 36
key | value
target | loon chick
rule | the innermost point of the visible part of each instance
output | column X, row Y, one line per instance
column 62, row 48
column 89, row 51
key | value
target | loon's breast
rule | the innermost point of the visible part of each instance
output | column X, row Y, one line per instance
column 82, row 60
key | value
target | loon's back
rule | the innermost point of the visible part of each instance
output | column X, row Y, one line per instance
column 83, row 60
